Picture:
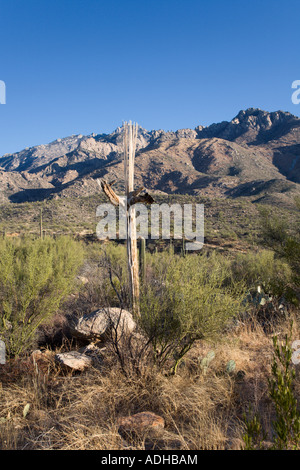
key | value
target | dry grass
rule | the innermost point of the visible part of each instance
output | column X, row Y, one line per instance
column 80, row 412
column 201, row 411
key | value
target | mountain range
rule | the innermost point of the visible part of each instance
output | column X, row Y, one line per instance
column 255, row 155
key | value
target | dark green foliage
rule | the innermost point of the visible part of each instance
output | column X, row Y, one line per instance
column 287, row 423
column 254, row 434
column 286, row 426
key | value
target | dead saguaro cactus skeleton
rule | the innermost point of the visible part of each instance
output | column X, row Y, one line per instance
column 132, row 197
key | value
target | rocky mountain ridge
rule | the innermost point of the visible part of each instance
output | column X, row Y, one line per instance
column 256, row 154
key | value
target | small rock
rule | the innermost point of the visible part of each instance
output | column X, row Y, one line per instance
column 236, row 444
column 74, row 360
column 162, row 440
column 94, row 352
column 91, row 350
column 84, row 280
column 267, row 445
column 139, row 423
column 2, row 352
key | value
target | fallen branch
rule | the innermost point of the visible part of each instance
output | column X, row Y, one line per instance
column 133, row 198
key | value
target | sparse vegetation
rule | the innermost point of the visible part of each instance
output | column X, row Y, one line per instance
column 284, row 239
column 286, row 425
column 203, row 358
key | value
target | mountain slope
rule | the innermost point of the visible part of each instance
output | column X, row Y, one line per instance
column 256, row 154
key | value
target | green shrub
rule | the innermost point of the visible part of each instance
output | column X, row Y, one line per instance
column 192, row 298
column 254, row 436
column 283, row 236
column 286, row 425
column 263, row 269
column 35, row 277
column 281, row 386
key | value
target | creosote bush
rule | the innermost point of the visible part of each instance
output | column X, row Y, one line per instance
column 35, row 277
column 284, row 239
column 191, row 299
column 262, row 269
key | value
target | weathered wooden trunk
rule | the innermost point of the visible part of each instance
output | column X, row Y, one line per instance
column 132, row 197
column 130, row 135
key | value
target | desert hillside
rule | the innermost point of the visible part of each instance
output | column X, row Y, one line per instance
column 255, row 155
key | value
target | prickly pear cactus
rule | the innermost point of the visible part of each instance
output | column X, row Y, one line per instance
column 204, row 364
column 230, row 366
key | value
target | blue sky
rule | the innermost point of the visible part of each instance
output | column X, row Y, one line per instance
column 83, row 66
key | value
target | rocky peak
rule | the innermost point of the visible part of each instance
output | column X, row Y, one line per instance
column 258, row 118
column 250, row 126
column 159, row 136
column 116, row 137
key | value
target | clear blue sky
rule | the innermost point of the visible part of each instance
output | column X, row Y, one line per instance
column 82, row 66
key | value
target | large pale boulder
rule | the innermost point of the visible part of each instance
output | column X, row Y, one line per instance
column 98, row 325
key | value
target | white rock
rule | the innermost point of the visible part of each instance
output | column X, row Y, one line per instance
column 74, row 360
